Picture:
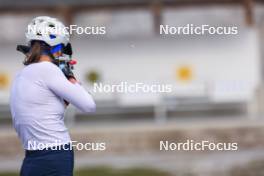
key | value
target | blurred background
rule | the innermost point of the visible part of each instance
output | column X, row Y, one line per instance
column 217, row 80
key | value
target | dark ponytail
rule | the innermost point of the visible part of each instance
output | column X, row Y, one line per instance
column 36, row 50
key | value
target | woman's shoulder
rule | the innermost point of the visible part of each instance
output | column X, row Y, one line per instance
column 42, row 68
column 47, row 67
column 39, row 65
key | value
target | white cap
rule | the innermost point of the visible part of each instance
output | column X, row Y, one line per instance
column 47, row 29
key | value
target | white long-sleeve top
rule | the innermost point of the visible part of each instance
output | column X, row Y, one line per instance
column 37, row 104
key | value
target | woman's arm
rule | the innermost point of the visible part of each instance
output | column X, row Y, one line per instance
column 73, row 93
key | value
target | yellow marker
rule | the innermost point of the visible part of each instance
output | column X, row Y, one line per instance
column 4, row 81
column 184, row 73
column 92, row 76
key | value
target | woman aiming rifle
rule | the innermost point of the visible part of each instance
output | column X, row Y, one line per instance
column 39, row 95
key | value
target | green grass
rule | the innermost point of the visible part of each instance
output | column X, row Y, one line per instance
column 107, row 171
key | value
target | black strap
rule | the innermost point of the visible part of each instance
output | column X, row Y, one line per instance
column 23, row 48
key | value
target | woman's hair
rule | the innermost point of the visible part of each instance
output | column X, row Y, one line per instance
column 37, row 48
